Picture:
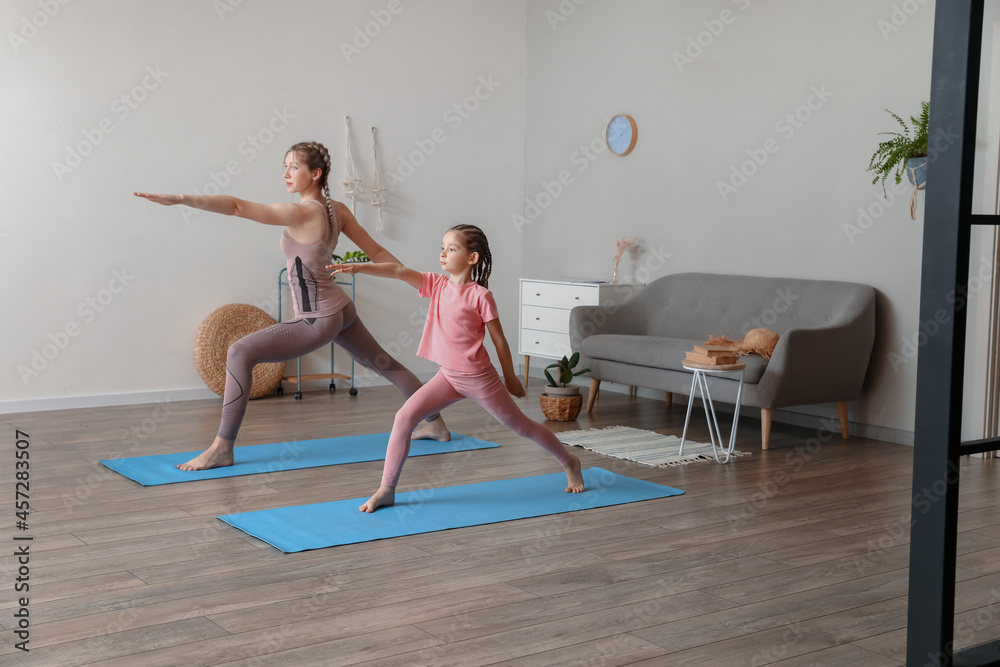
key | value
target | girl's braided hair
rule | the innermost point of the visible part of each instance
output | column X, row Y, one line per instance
column 475, row 241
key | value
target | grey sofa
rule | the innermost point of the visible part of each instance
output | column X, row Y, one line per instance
column 827, row 332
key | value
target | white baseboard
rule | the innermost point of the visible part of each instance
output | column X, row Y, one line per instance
column 140, row 397
column 104, row 400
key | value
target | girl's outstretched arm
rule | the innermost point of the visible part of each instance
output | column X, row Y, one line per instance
column 286, row 214
column 382, row 270
column 510, row 379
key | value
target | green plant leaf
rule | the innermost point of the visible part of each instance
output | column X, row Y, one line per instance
column 891, row 155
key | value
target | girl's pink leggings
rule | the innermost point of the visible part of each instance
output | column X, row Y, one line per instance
column 485, row 388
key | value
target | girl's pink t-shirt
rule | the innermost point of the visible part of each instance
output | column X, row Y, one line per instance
column 456, row 323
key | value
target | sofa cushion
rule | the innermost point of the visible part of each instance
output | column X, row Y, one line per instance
column 658, row 352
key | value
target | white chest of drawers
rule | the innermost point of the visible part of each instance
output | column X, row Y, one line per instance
column 545, row 309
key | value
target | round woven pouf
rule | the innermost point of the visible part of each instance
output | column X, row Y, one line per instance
column 561, row 408
column 217, row 332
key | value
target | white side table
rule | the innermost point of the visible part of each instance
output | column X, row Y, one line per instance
column 700, row 380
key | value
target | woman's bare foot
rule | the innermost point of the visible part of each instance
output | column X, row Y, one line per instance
column 219, row 455
column 435, row 430
column 384, row 497
column 574, row 475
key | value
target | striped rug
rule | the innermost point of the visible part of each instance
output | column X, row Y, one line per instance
column 645, row 447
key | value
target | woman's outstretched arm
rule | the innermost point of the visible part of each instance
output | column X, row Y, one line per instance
column 353, row 230
column 382, row 270
column 285, row 214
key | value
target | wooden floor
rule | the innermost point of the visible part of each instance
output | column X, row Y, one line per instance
column 794, row 556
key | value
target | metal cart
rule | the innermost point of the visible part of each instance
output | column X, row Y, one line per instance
column 332, row 376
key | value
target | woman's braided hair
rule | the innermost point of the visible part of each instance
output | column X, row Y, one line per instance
column 315, row 155
column 475, row 241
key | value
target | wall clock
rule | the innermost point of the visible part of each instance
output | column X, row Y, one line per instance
column 621, row 134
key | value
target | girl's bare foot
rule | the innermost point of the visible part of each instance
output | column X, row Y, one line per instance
column 574, row 475
column 219, row 455
column 435, row 430
column 384, row 497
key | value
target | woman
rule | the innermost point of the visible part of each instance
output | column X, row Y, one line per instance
column 323, row 311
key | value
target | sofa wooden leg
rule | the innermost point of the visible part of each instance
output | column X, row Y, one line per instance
column 631, row 391
column 670, row 399
column 594, row 387
column 845, row 429
column 765, row 427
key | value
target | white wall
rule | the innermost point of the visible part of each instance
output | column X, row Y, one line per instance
column 560, row 80
column 223, row 68
column 797, row 215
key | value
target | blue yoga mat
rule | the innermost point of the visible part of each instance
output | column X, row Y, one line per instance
column 304, row 527
column 256, row 459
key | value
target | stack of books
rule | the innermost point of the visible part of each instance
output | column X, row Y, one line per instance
column 712, row 355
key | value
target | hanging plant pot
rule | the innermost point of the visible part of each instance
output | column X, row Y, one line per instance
column 916, row 171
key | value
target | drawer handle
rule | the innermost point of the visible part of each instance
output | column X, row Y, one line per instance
column 538, row 293
column 537, row 319
column 577, row 298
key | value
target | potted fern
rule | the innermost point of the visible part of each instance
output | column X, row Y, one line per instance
column 903, row 151
column 560, row 402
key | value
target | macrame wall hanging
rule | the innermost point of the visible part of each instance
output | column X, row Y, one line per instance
column 378, row 190
column 352, row 182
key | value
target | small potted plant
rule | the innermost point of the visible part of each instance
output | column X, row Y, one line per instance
column 351, row 257
column 903, row 151
column 559, row 401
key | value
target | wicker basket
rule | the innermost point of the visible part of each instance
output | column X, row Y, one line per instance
column 561, row 408
column 217, row 332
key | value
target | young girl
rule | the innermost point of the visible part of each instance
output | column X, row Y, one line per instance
column 323, row 311
column 461, row 308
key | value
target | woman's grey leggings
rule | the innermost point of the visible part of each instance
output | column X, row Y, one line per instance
column 288, row 340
